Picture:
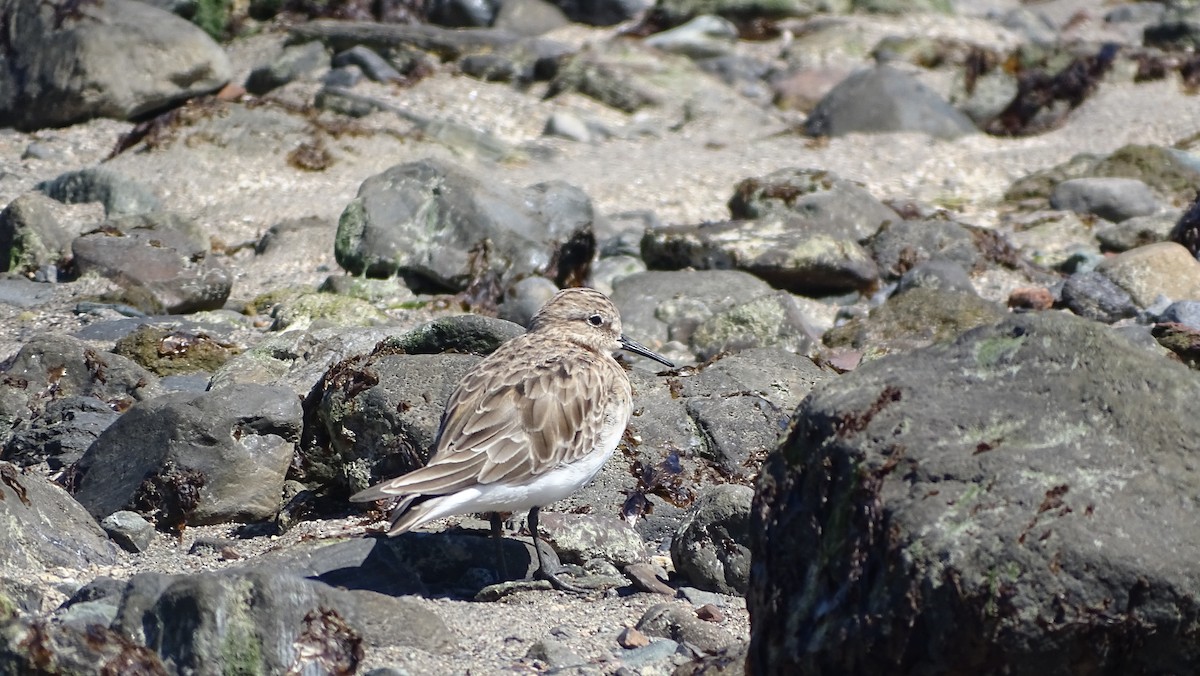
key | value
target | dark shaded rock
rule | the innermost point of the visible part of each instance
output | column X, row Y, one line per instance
column 784, row 251
column 297, row 359
column 658, row 306
column 120, row 196
column 370, row 62
column 1113, row 199
column 461, row 13
column 1147, row 273
column 824, row 202
column 937, row 273
column 1186, row 312
column 913, row 319
column 166, row 352
column 992, row 505
column 712, row 546
column 580, row 537
column 195, row 458
column 902, row 245
column 129, row 530
column 160, row 259
column 601, row 12
column 265, row 621
column 1181, row 339
column 730, row 661
column 1094, row 296
column 772, row 320
column 118, row 59
column 41, row 646
column 50, row 367
column 44, row 527
column 32, row 237
column 679, row 623
column 884, row 99
column 442, row 228
column 296, row 62
column 1187, row 229
column 61, row 434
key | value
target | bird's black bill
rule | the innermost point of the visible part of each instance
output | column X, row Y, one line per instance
column 637, row 348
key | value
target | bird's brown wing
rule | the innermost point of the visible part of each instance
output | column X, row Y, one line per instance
column 511, row 421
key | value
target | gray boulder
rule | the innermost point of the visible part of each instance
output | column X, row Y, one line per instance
column 160, row 259
column 1018, row 501
column 823, row 201
column 195, row 458
column 117, row 58
column 883, row 99
column 120, row 195
column 44, row 528
column 441, row 228
column 1113, row 199
column 711, row 549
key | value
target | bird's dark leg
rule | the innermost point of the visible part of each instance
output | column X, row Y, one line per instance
column 542, row 573
column 498, row 536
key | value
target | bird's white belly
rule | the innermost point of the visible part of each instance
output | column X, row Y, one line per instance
column 546, row 488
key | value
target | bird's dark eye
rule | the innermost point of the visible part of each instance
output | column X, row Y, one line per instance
column 595, row 320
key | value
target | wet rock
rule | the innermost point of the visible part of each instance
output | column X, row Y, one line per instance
column 915, row 318
column 703, row 37
column 601, row 12
column 772, row 320
column 168, row 352
column 824, row 202
column 49, row 367
column 129, row 530
column 910, row 458
column 1162, row 269
column 783, row 251
column 937, row 273
column 30, row 646
column 712, row 546
column 269, row 621
column 1186, row 312
column 32, row 236
column 900, row 246
column 297, row 359
column 1113, row 199
column 1186, row 230
column 658, row 306
column 44, row 527
column 679, row 623
column 313, row 311
column 1136, row 231
column 1094, row 296
column 61, row 434
column 579, row 537
column 385, row 230
column 884, row 99
column 369, row 61
column 121, row 196
column 160, row 259
column 120, row 59
column 203, row 458
column 296, row 62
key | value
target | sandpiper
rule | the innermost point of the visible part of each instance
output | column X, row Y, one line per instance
column 530, row 424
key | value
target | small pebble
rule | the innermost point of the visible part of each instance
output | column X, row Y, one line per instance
column 632, row 638
column 710, row 613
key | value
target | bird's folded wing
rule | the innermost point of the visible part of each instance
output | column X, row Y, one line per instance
column 510, row 425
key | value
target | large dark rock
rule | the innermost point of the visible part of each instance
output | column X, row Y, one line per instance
column 268, row 621
column 442, row 228
column 55, row 367
column 883, row 99
column 67, row 63
column 712, row 546
column 1019, row 501
column 160, row 259
column 782, row 250
column 44, row 527
column 195, row 458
